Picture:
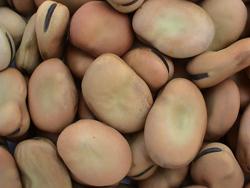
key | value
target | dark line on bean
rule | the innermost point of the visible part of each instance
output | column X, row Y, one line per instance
column 11, row 47
column 199, row 76
column 14, row 132
column 161, row 57
column 130, row 3
column 143, row 172
column 207, row 151
column 48, row 16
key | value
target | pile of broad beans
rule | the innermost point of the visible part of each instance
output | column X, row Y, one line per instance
column 125, row 94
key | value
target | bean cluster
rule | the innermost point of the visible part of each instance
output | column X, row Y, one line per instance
column 125, row 93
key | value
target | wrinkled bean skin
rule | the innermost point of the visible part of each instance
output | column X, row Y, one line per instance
column 216, row 166
column 172, row 123
column 7, row 49
column 51, row 24
column 52, row 91
column 179, row 29
column 223, row 100
column 9, row 176
column 142, row 166
column 153, row 67
column 165, row 178
column 103, row 161
column 243, row 150
column 211, row 68
column 78, row 61
column 28, row 57
column 40, row 164
column 97, row 17
column 24, row 7
column 125, row 6
column 13, row 23
column 116, row 94
column 14, row 116
column 226, row 32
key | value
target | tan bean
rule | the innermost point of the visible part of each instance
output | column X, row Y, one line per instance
column 14, row 120
column 179, row 29
column 152, row 66
column 215, row 166
column 9, row 176
column 176, row 124
column 40, row 164
column 103, row 161
column 126, row 6
column 243, row 149
column 51, row 24
column 92, row 29
column 13, row 23
column 165, row 178
column 211, row 68
column 226, row 32
column 142, row 166
column 222, row 100
column 7, row 49
column 116, row 94
column 53, row 96
column 28, row 57
column 78, row 61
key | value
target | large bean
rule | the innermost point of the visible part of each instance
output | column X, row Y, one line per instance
column 116, row 94
column 176, row 124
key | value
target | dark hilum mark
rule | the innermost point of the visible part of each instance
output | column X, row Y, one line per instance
column 11, row 46
column 143, row 172
column 207, row 151
column 199, row 76
column 14, row 132
column 161, row 57
column 130, row 3
column 48, row 16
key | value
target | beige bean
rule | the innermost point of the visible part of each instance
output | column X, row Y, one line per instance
column 226, row 32
column 179, row 29
column 223, row 100
column 83, row 110
column 176, row 124
column 152, row 66
column 13, row 23
column 78, row 61
column 116, row 94
column 103, row 161
column 211, row 68
column 9, row 176
column 92, row 29
column 28, row 56
column 7, row 48
column 40, row 164
column 142, row 166
column 53, row 98
column 165, row 178
column 14, row 120
column 215, row 166
column 243, row 149
column 51, row 24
